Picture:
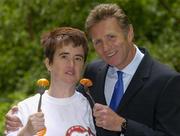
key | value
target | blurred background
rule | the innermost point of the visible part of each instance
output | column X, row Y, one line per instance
column 156, row 26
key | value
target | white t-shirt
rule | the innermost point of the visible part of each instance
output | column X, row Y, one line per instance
column 70, row 116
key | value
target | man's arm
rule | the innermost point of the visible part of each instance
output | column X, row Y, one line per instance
column 106, row 118
column 35, row 125
column 109, row 120
column 12, row 122
column 167, row 116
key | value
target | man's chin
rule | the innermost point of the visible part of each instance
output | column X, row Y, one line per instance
column 112, row 63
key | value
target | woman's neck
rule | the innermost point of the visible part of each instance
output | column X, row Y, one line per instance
column 61, row 90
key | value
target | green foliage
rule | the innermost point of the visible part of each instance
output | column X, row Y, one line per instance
column 156, row 26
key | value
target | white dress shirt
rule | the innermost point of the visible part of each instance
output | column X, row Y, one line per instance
column 128, row 73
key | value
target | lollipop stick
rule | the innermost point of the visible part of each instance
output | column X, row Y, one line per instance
column 84, row 84
column 87, row 92
column 39, row 103
column 42, row 83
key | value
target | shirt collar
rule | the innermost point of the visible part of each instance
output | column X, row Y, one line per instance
column 131, row 68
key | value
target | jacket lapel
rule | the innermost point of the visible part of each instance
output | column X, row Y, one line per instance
column 101, row 75
column 137, row 81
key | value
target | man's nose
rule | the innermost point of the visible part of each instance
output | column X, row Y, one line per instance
column 106, row 46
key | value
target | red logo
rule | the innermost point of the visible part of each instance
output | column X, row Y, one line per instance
column 79, row 131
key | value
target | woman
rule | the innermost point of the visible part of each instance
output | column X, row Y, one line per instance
column 65, row 112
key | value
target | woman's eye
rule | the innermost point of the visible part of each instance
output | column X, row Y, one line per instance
column 79, row 59
column 63, row 56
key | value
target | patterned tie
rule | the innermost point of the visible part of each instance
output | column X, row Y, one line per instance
column 118, row 92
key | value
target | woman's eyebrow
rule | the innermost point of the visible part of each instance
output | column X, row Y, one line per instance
column 64, row 53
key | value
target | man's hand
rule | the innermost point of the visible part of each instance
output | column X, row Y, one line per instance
column 35, row 124
column 106, row 118
column 12, row 122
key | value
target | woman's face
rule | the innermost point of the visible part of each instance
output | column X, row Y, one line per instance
column 67, row 65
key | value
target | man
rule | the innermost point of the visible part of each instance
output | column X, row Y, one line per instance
column 150, row 104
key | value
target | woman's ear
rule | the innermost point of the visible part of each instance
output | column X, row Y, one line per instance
column 46, row 61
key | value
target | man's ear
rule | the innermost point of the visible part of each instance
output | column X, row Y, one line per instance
column 48, row 66
column 130, row 33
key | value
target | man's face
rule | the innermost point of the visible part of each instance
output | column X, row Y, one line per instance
column 111, row 43
column 67, row 65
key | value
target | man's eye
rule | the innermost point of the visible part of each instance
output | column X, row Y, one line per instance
column 110, row 37
column 97, row 43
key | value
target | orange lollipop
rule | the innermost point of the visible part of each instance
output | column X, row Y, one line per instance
column 41, row 132
column 43, row 82
column 86, row 82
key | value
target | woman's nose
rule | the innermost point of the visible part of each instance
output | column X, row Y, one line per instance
column 71, row 62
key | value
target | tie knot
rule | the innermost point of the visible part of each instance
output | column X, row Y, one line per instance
column 120, row 73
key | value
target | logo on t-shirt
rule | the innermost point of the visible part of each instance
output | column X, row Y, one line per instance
column 79, row 131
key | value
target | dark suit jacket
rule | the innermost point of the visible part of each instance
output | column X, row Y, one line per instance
column 151, row 103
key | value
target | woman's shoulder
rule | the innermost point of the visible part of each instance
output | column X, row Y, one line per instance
column 31, row 100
